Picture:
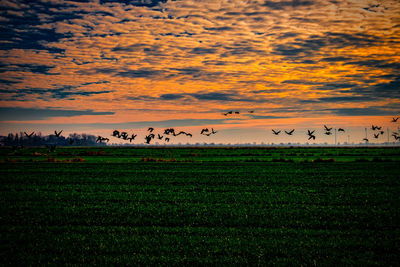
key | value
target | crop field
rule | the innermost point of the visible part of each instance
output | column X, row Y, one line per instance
column 201, row 206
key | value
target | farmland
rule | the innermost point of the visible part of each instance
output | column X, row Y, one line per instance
column 146, row 206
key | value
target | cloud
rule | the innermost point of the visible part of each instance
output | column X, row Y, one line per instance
column 26, row 114
column 279, row 5
column 370, row 111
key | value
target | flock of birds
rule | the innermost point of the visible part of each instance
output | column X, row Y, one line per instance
column 168, row 133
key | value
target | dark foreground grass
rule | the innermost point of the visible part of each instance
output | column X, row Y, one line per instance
column 199, row 212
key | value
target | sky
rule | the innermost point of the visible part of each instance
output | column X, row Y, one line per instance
column 95, row 66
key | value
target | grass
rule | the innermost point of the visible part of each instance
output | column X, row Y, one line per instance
column 200, row 206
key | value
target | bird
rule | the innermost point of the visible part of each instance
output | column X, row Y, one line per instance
column 378, row 128
column 151, row 129
column 376, row 135
column 382, row 132
column 132, row 138
column 189, row 134
column 205, row 130
column 124, row 135
column 340, row 130
column 101, row 139
column 237, row 112
column 227, row 113
column 169, row 131
column 373, row 127
column 251, row 111
column 58, row 134
column 311, row 137
column 289, row 133
column 310, row 132
column 276, row 132
column 160, row 136
column 395, row 119
column 328, row 133
column 116, row 133
column 213, row 131
column 29, row 135
column 396, row 137
column 152, row 136
column 327, row 129
column 365, row 139
column 148, row 139
column 166, row 139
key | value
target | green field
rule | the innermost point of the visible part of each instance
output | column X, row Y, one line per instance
column 214, row 206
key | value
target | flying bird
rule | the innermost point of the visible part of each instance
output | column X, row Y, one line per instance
column 151, row 129
column 160, row 136
column 229, row 112
column 251, row 111
column 289, row 133
column 328, row 133
column 276, row 132
column 311, row 137
column 204, row 131
column 148, row 139
column 340, row 130
column 124, row 135
column 310, row 132
column 237, row 112
column 132, row 138
column 327, row 129
column 116, row 133
column 29, row 135
column 101, row 139
column 213, row 131
column 166, row 139
column 58, row 134
column 382, row 132
column 365, row 139
column 395, row 119
column 376, row 135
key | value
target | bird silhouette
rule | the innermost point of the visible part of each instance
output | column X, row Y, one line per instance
column 213, row 131
column 204, row 131
column 251, row 111
column 166, row 139
column 160, row 137
column 189, row 134
column 341, row 130
column 237, row 112
column 376, row 135
column 395, row 119
column 131, row 138
column 327, row 129
column 228, row 113
column 310, row 132
column 382, row 132
column 328, row 133
column 58, row 134
column 116, row 133
column 290, row 132
column 29, row 135
column 169, row 131
column 100, row 139
column 276, row 132
column 311, row 137
column 151, row 129
column 148, row 139
column 365, row 139
column 124, row 135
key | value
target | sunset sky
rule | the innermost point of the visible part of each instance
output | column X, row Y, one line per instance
column 95, row 66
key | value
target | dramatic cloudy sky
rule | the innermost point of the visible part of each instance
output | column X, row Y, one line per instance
column 92, row 66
